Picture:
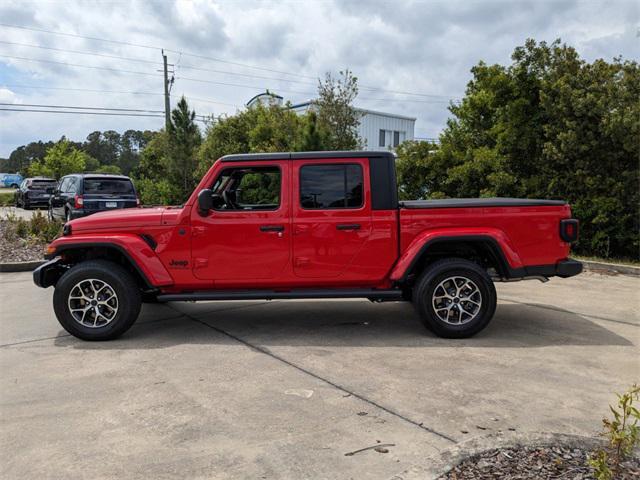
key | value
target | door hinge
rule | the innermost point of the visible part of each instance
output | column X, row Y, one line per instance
column 301, row 261
column 200, row 262
column 195, row 231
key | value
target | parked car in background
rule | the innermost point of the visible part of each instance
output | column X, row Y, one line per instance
column 35, row 192
column 10, row 180
column 82, row 194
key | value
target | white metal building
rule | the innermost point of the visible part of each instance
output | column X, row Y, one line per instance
column 378, row 130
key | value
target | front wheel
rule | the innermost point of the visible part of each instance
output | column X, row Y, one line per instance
column 96, row 300
column 455, row 298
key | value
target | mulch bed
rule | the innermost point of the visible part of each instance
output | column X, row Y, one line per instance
column 533, row 463
column 19, row 250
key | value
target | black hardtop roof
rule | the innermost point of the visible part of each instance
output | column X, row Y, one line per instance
column 250, row 157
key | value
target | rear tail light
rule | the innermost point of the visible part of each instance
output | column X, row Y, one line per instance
column 137, row 202
column 569, row 230
column 79, row 202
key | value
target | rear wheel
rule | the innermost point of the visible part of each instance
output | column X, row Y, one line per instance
column 455, row 298
column 97, row 300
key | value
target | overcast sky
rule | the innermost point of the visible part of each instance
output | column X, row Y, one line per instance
column 421, row 47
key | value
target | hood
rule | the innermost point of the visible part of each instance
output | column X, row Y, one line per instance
column 122, row 218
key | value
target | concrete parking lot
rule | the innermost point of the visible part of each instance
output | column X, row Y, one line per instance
column 287, row 389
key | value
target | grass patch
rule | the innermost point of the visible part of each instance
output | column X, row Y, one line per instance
column 617, row 261
column 6, row 199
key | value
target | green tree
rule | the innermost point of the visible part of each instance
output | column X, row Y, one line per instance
column 151, row 175
column 184, row 141
column 258, row 129
column 61, row 159
column 113, row 169
column 337, row 117
column 550, row 125
column 419, row 172
column 313, row 137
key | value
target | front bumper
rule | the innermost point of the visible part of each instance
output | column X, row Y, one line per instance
column 48, row 273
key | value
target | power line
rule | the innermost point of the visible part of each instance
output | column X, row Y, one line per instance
column 180, row 52
column 152, row 48
column 80, row 108
column 201, row 69
column 89, row 90
column 79, row 66
column 80, row 52
column 81, row 113
column 203, row 118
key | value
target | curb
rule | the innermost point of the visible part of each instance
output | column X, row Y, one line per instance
column 439, row 464
column 21, row 266
column 610, row 268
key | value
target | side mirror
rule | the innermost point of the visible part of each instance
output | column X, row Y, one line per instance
column 205, row 202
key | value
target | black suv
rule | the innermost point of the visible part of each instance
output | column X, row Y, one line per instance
column 34, row 192
column 82, row 194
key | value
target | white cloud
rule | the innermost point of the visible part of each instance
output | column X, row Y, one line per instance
column 426, row 47
column 7, row 96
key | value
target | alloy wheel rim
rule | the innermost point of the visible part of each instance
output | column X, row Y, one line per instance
column 457, row 300
column 93, row 303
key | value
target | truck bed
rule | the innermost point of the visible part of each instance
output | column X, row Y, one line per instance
column 528, row 229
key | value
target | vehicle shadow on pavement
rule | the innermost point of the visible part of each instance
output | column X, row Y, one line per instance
column 344, row 324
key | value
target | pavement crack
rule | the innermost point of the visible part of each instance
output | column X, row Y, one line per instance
column 342, row 388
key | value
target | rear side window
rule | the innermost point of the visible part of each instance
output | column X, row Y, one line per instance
column 109, row 186
column 331, row 186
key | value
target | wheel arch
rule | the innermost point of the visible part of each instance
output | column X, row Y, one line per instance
column 135, row 255
column 483, row 249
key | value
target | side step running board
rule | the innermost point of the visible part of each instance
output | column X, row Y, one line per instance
column 376, row 295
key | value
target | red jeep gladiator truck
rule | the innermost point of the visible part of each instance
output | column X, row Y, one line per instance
column 305, row 225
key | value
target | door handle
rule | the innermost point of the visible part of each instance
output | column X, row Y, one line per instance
column 272, row 228
column 348, row 226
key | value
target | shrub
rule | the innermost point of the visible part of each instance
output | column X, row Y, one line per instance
column 39, row 229
column 622, row 433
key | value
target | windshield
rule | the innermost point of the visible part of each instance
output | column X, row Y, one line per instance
column 111, row 186
column 42, row 184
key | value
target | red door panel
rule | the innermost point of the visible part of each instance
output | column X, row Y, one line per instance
column 242, row 246
column 329, row 236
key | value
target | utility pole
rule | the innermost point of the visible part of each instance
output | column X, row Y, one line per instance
column 167, row 106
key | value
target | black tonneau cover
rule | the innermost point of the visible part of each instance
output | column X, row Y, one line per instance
column 480, row 202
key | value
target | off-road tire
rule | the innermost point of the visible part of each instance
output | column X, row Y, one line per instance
column 441, row 270
column 121, row 282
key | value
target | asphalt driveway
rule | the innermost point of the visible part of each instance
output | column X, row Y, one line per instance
column 286, row 389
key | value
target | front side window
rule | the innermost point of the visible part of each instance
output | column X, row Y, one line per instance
column 248, row 188
column 331, row 186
